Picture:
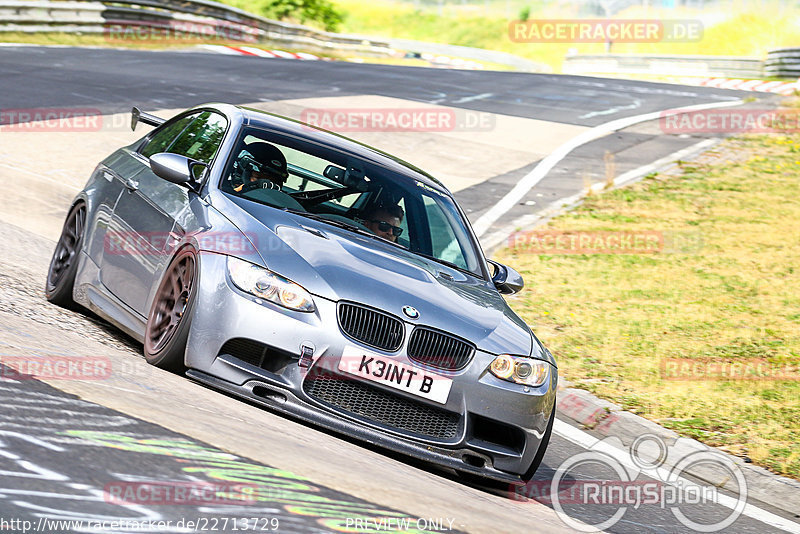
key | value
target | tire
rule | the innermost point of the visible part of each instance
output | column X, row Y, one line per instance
column 169, row 321
column 64, row 263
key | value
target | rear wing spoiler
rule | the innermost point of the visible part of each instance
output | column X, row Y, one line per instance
column 138, row 116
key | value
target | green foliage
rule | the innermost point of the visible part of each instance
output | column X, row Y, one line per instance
column 320, row 13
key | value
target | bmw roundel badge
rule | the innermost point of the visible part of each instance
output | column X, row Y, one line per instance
column 411, row 312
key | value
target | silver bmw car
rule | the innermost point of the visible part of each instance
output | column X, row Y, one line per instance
column 314, row 275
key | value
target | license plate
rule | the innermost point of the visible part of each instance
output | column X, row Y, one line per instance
column 388, row 372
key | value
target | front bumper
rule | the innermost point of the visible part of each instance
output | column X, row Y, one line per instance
column 498, row 426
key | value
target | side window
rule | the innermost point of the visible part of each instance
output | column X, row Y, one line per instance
column 443, row 239
column 202, row 138
column 348, row 201
column 163, row 138
column 441, row 233
column 299, row 183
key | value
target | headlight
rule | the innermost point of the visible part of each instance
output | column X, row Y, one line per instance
column 269, row 286
column 521, row 370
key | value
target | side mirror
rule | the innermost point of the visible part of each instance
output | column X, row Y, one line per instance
column 175, row 168
column 505, row 279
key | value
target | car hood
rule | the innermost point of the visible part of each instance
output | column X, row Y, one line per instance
column 337, row 264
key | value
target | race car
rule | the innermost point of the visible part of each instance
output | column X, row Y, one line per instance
column 316, row 276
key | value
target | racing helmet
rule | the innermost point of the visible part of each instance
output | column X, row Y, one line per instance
column 260, row 161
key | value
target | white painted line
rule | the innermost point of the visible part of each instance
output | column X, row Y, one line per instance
column 611, row 111
column 472, row 98
column 485, row 221
column 586, row 441
column 556, row 207
column 633, row 174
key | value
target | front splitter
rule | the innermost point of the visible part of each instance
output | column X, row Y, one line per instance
column 286, row 402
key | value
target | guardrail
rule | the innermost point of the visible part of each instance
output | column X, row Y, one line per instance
column 143, row 19
column 689, row 66
column 475, row 54
column 783, row 63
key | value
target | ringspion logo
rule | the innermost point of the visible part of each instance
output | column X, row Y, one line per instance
column 638, row 476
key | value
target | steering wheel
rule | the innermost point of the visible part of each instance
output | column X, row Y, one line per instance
column 261, row 183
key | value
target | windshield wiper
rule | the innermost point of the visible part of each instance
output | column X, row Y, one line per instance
column 346, row 226
column 444, row 262
column 333, row 222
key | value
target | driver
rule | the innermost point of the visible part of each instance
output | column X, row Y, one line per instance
column 260, row 166
column 385, row 221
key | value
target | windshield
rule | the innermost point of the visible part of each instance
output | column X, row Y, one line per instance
column 332, row 186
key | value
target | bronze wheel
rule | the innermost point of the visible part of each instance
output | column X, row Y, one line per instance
column 167, row 326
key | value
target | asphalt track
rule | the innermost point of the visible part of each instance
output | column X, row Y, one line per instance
column 62, row 444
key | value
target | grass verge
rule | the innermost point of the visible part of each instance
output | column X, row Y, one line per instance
column 616, row 322
column 741, row 30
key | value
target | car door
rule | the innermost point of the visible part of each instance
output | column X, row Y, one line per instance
column 146, row 212
column 105, row 189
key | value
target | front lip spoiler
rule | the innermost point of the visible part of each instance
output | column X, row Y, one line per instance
column 286, row 402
